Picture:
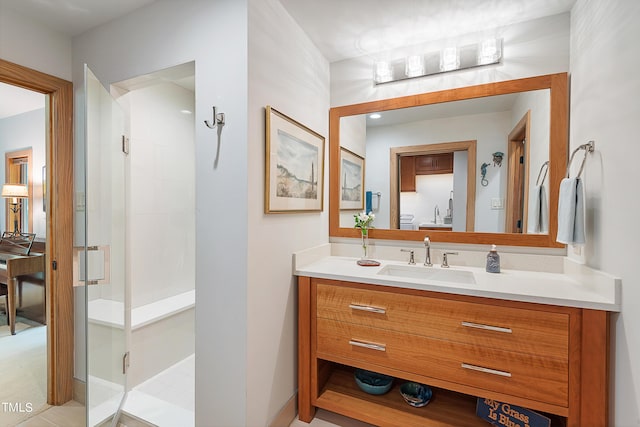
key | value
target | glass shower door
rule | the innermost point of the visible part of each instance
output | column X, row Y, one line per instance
column 103, row 254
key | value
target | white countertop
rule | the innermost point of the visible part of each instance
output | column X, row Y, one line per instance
column 435, row 225
column 574, row 288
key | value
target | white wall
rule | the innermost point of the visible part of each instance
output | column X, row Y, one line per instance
column 31, row 44
column 214, row 34
column 287, row 72
column 431, row 191
column 604, row 107
column 537, row 103
column 529, row 49
column 19, row 132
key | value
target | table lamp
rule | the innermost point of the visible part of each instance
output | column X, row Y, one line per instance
column 15, row 192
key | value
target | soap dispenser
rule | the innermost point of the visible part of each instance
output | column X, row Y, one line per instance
column 493, row 260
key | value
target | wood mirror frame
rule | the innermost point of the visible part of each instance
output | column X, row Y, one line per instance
column 558, row 146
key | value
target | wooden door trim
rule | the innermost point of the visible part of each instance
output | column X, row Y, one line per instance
column 59, row 155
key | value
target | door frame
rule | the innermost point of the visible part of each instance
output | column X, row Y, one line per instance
column 518, row 176
column 59, row 238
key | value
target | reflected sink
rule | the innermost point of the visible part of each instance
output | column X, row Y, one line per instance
column 429, row 273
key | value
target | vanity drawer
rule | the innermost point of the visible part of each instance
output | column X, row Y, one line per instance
column 544, row 333
column 544, row 379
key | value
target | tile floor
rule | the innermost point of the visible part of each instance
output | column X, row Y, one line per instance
column 71, row 414
column 167, row 399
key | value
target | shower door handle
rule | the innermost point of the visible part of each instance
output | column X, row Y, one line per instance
column 96, row 256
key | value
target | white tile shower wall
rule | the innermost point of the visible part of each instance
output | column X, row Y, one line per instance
column 162, row 185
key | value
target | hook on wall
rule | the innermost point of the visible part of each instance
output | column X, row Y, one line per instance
column 218, row 119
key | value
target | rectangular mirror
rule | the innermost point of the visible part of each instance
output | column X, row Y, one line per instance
column 462, row 165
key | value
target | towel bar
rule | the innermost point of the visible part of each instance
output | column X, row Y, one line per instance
column 589, row 147
column 538, row 182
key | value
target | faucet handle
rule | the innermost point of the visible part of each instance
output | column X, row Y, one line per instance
column 412, row 260
column 445, row 263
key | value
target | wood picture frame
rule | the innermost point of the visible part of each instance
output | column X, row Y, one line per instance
column 294, row 166
column 351, row 180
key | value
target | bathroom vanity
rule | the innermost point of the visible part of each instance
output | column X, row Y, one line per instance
column 537, row 340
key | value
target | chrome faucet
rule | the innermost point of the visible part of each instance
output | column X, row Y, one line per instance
column 427, row 247
column 445, row 263
column 436, row 214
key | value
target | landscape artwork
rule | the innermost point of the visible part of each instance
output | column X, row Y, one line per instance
column 294, row 166
column 352, row 180
column 297, row 165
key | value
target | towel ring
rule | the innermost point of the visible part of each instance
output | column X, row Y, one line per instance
column 538, row 182
column 589, row 147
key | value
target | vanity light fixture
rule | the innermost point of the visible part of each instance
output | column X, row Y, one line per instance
column 490, row 51
column 414, row 66
column 383, row 72
column 448, row 59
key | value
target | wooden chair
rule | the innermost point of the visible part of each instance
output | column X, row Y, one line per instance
column 4, row 293
column 13, row 244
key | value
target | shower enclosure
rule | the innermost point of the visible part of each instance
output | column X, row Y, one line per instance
column 137, row 255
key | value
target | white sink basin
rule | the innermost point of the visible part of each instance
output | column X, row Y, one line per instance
column 429, row 273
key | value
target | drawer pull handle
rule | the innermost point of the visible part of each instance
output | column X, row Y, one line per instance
column 486, row 370
column 487, row 327
column 368, row 308
column 369, row 345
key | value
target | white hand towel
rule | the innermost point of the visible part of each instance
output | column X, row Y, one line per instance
column 539, row 220
column 543, row 223
column 571, row 212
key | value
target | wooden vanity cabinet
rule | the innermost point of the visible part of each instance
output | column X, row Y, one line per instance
column 551, row 359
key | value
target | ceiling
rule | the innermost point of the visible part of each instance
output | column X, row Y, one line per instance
column 73, row 17
column 15, row 100
column 341, row 29
column 344, row 29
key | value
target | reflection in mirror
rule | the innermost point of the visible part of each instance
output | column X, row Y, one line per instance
column 516, row 127
column 497, row 124
column 424, row 175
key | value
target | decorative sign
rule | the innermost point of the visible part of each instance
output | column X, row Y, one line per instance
column 508, row 415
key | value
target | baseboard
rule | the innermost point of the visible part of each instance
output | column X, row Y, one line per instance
column 287, row 414
column 79, row 391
